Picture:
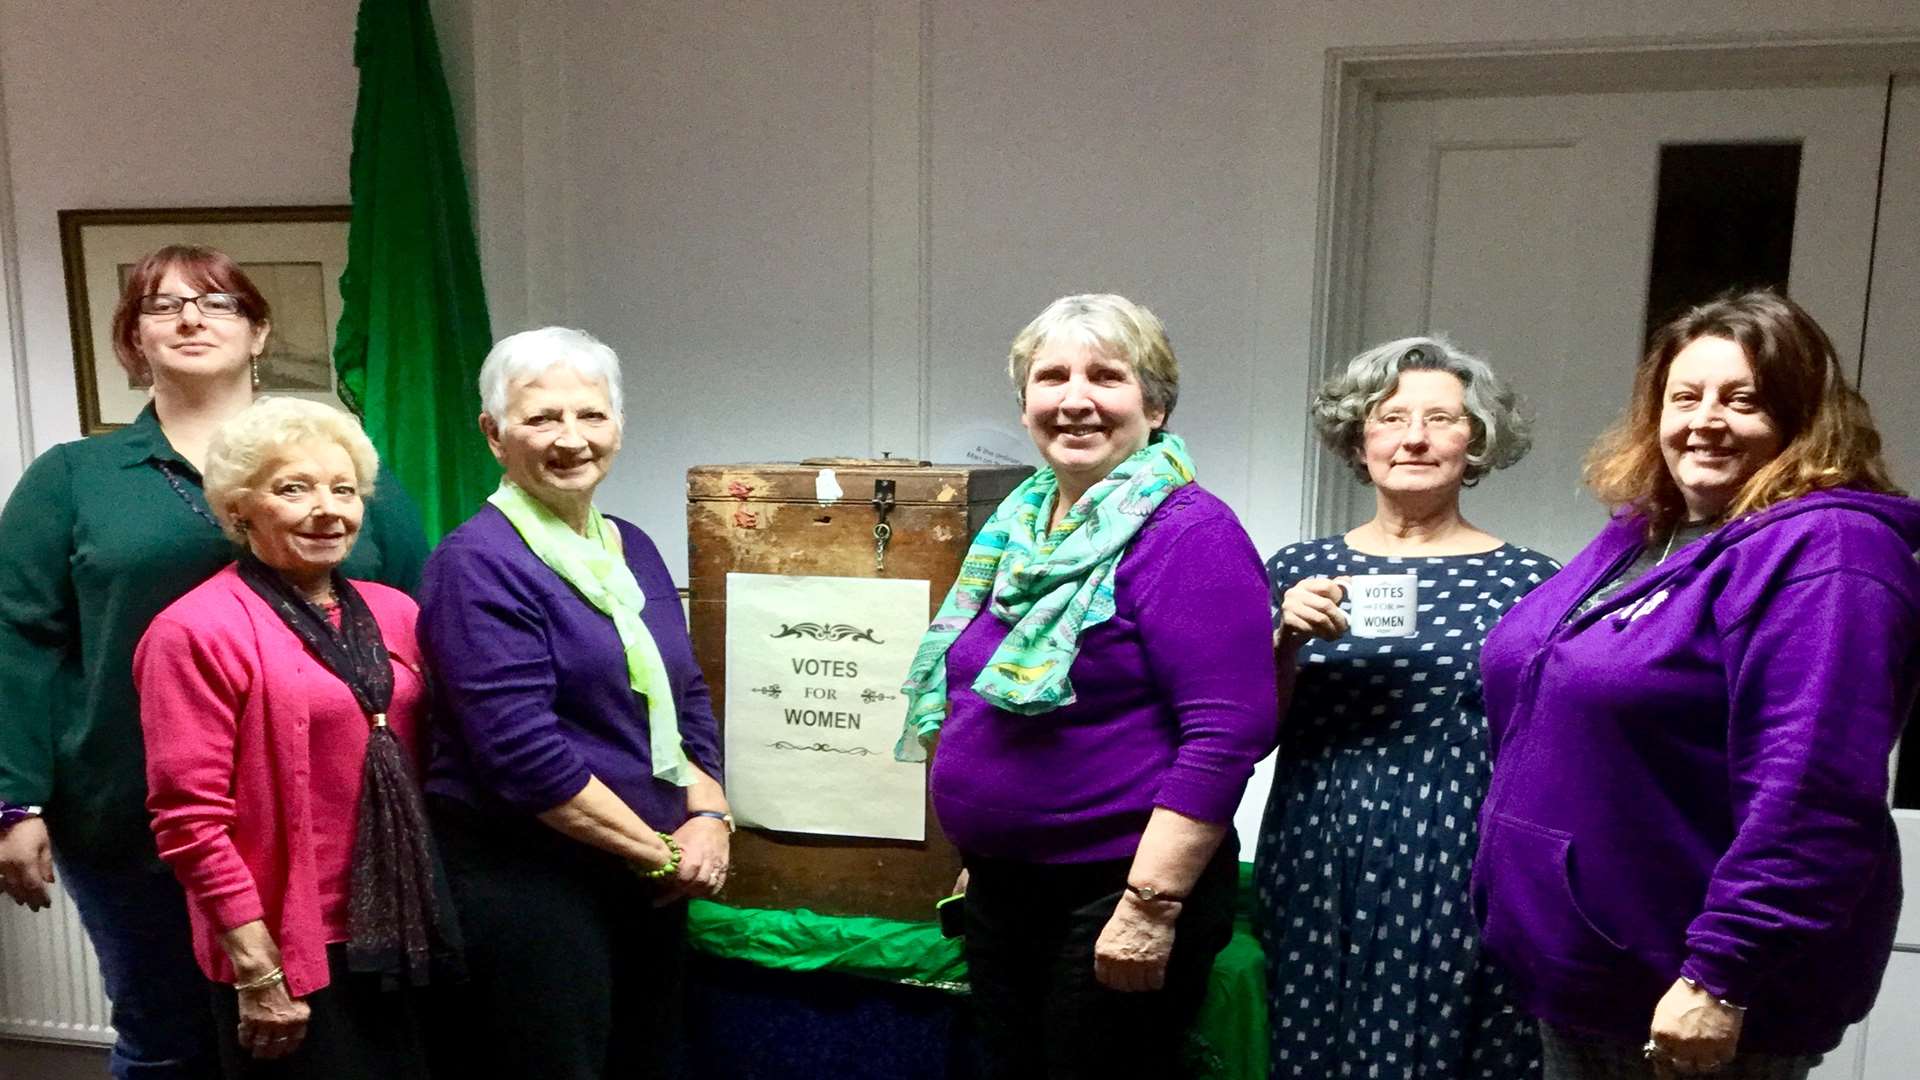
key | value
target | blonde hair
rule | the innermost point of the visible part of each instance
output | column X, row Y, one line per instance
column 1827, row 437
column 257, row 435
column 1116, row 328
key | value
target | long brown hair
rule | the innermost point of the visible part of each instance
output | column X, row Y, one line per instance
column 1827, row 435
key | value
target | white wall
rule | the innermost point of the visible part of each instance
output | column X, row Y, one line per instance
column 119, row 103
column 709, row 184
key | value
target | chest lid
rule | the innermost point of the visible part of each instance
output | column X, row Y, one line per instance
column 825, row 481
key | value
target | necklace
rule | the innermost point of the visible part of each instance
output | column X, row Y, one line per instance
column 180, row 489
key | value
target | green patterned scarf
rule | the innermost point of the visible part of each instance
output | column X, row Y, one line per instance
column 593, row 565
column 1050, row 587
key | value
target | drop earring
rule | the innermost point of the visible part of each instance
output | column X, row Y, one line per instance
column 253, row 364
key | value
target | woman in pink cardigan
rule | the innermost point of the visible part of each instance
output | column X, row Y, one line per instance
column 281, row 705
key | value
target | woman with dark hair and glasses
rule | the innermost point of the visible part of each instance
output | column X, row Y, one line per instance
column 1687, row 859
column 1361, row 872
column 98, row 537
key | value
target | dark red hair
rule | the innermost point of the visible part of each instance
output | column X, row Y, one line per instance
column 204, row 269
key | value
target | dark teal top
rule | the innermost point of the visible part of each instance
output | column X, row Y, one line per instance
column 94, row 542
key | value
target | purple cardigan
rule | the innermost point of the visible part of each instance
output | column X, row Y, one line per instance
column 1691, row 778
column 1175, row 704
column 531, row 682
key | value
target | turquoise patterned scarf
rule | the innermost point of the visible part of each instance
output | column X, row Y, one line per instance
column 593, row 565
column 1050, row 587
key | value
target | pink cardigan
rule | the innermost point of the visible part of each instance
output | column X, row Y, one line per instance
column 228, row 762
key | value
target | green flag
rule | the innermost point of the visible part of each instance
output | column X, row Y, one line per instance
column 413, row 319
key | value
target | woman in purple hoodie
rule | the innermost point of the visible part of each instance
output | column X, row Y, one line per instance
column 1687, row 861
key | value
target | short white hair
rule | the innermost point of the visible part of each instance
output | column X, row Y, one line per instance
column 532, row 353
column 255, row 437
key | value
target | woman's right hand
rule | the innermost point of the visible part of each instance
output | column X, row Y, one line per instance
column 272, row 1024
column 26, row 863
column 1312, row 609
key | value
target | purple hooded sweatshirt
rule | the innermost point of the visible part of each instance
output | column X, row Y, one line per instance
column 1691, row 778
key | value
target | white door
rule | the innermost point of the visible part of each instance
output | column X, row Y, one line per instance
column 1523, row 227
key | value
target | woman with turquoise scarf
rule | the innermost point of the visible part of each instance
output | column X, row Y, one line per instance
column 575, row 781
column 1101, row 681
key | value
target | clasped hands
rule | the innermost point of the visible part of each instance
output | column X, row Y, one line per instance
column 705, row 850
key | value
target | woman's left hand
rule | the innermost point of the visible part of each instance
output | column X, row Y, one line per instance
column 1694, row 1033
column 1131, row 953
column 705, row 850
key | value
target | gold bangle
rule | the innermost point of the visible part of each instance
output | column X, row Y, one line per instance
column 277, row 975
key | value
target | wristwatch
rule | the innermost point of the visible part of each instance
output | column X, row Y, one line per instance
column 11, row 815
column 717, row 815
column 1151, row 895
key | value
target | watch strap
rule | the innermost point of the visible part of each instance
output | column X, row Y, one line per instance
column 717, row 815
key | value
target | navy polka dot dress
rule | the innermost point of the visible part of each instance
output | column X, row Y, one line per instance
column 1361, row 900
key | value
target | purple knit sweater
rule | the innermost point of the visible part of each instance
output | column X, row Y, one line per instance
column 1175, row 705
column 532, row 693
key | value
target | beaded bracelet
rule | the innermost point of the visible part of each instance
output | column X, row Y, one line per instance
column 672, row 866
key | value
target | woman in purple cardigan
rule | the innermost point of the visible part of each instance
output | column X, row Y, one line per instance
column 575, row 778
column 1102, row 677
column 1686, row 859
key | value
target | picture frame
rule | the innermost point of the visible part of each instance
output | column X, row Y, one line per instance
column 294, row 254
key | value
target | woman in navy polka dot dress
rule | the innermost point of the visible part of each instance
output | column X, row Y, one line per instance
column 1361, row 872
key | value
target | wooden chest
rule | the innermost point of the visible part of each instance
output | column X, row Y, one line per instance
column 770, row 519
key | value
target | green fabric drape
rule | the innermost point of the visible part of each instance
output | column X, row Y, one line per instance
column 1229, row 1040
column 413, row 318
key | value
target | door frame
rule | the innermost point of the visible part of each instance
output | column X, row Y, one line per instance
column 1358, row 78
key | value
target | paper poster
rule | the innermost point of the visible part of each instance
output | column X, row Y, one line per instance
column 814, row 666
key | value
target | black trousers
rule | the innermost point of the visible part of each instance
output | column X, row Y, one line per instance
column 573, row 974
column 1039, row 1012
column 357, row 1028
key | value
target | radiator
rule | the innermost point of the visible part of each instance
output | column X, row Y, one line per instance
column 49, row 980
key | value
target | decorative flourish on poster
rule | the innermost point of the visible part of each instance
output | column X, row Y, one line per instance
column 823, row 632
column 820, row 747
column 810, row 748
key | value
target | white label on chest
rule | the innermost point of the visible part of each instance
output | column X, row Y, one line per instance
column 1384, row 605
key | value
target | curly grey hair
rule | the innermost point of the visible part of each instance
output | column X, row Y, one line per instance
column 1501, row 431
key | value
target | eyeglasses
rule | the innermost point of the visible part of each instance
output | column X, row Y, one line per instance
column 1399, row 421
column 213, row 305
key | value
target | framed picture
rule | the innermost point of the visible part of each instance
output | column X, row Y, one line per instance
column 294, row 254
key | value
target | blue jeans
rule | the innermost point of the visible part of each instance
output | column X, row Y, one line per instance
column 136, row 917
